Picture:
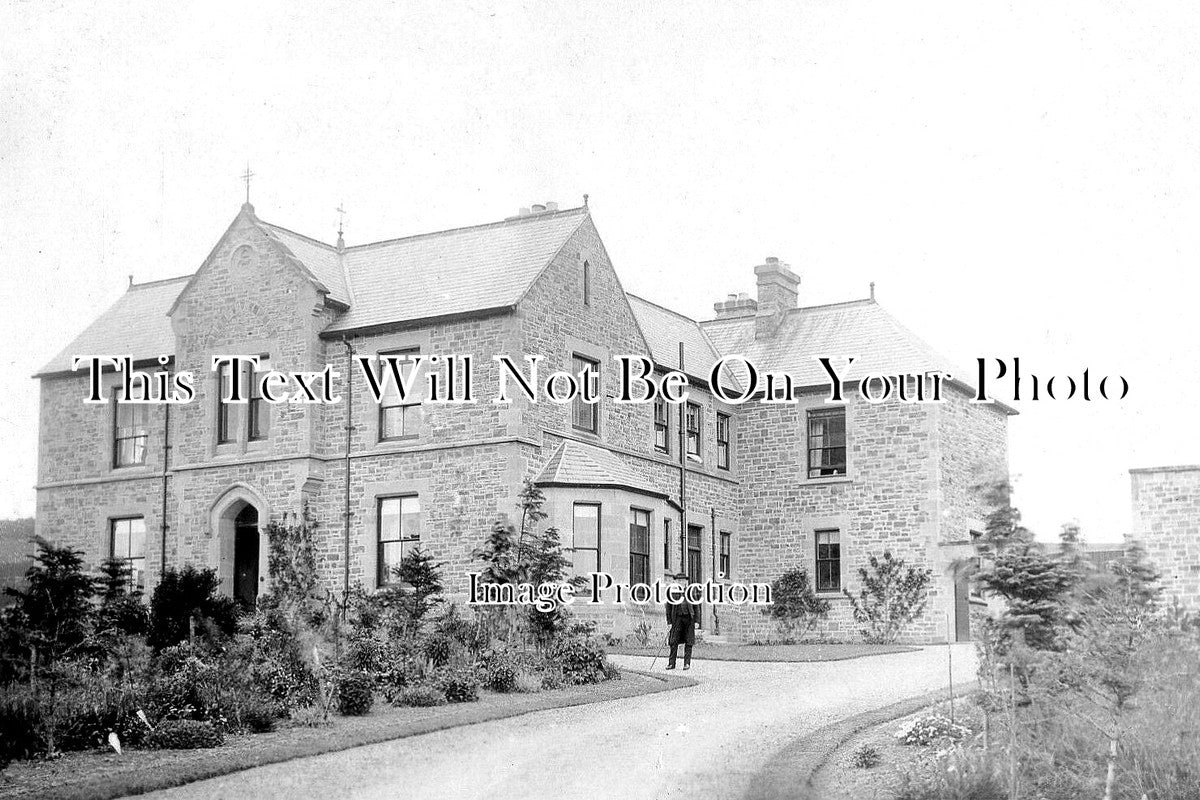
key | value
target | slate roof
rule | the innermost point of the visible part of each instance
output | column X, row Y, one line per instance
column 860, row 328
column 452, row 272
column 136, row 325
column 320, row 259
column 578, row 464
column 664, row 329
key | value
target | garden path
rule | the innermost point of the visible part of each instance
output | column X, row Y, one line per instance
column 704, row 741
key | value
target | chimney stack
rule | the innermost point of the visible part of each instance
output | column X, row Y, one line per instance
column 737, row 305
column 777, row 287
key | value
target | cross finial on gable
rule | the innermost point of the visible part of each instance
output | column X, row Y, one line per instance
column 246, row 176
column 341, row 224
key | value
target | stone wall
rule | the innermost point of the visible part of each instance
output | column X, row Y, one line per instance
column 1166, row 522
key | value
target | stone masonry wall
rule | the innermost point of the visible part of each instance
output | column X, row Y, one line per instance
column 1166, row 522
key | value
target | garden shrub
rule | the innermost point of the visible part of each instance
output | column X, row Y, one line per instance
column 22, row 729
column 184, row 734
column 579, row 660
column 527, row 683
column 458, row 684
column 183, row 594
column 931, row 729
column 553, row 679
column 421, row 696
column 355, row 693
column 500, row 670
column 610, row 670
column 795, row 606
column 866, row 756
column 893, row 594
column 438, row 649
column 402, row 670
column 254, row 714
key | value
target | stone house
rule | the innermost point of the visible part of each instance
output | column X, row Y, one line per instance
column 1166, row 522
column 766, row 487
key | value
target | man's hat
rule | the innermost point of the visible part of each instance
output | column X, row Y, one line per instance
column 680, row 576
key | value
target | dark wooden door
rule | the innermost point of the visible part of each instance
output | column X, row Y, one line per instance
column 695, row 565
column 962, row 608
column 245, row 557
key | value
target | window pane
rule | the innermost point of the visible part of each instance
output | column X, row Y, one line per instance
column 584, row 415
column 389, row 519
column 389, row 559
column 410, row 517
column 137, row 537
column 586, row 526
column 120, row 538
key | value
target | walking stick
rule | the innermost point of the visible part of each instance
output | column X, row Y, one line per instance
column 658, row 654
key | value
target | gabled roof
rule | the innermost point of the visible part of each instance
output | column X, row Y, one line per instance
column 135, row 325
column 320, row 259
column 578, row 464
column 860, row 328
column 665, row 329
column 452, row 272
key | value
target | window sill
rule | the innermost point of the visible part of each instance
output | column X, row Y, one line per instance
column 832, row 479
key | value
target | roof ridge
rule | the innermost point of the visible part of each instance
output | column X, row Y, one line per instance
column 862, row 301
column 480, row 226
column 661, row 307
column 160, row 281
column 304, row 236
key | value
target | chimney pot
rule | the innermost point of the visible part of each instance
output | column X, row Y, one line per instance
column 551, row 205
column 524, row 212
column 772, row 260
column 537, row 208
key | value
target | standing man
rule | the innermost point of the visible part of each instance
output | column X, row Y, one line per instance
column 682, row 620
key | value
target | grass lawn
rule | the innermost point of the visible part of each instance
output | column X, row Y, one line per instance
column 102, row 775
column 770, row 652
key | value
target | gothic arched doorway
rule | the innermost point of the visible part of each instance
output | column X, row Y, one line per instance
column 245, row 556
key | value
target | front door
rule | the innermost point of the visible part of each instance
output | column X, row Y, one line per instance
column 962, row 607
column 695, row 566
column 245, row 557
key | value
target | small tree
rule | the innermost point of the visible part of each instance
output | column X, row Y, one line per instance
column 188, row 597
column 121, row 611
column 419, row 592
column 893, row 594
column 1036, row 585
column 795, row 607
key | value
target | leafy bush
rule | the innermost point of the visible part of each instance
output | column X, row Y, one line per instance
column 611, row 671
column 121, row 611
column 579, row 660
column 22, row 732
column 552, row 680
column 891, row 597
column 184, row 734
column 421, row 696
column 500, row 670
column 356, row 693
column 961, row 775
column 438, row 648
column 866, row 756
column 527, row 683
column 458, row 684
column 185, row 594
column 256, row 715
column 795, row 606
column 931, row 729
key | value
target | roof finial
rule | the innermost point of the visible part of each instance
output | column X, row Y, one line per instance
column 872, row 290
column 585, row 200
column 341, row 224
column 246, row 176
column 131, row 281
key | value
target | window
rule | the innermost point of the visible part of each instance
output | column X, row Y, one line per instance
column 826, row 442
column 258, row 413
column 584, row 415
column 130, row 431
column 662, row 429
column 127, row 542
column 693, row 429
column 829, row 561
column 587, row 284
column 585, row 544
column 398, row 419
column 722, row 441
column 639, row 547
column 399, row 532
column 227, row 412
column 726, row 548
column 666, row 545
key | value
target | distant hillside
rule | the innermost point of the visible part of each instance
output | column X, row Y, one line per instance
column 15, row 549
column 14, row 539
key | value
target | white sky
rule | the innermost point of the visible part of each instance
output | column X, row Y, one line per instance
column 1019, row 181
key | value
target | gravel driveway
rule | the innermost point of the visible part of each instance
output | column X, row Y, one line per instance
column 703, row 741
